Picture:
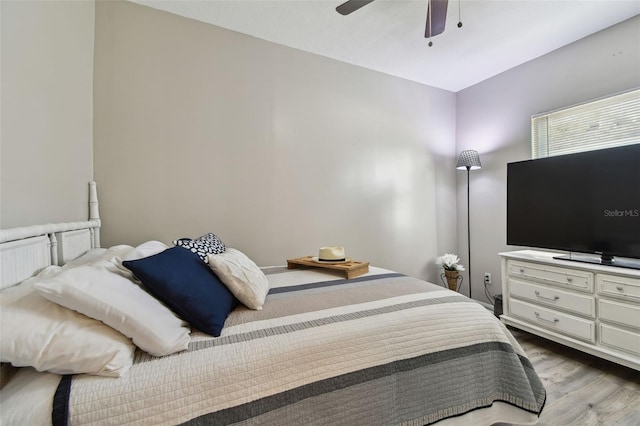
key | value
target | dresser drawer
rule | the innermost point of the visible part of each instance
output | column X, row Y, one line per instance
column 568, row 278
column 578, row 303
column 620, row 339
column 621, row 313
column 617, row 286
column 560, row 322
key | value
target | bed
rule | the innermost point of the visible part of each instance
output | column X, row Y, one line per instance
column 379, row 349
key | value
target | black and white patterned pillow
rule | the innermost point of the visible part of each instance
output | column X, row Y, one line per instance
column 202, row 246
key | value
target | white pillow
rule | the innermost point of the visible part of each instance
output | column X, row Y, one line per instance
column 241, row 276
column 41, row 334
column 145, row 249
column 96, row 291
column 97, row 254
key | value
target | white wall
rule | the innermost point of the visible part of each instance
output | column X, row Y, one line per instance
column 493, row 117
column 46, row 138
column 278, row 151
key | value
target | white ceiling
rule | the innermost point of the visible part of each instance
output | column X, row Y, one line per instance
column 388, row 35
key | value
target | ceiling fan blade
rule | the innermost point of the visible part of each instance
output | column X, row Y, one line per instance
column 438, row 11
column 351, row 6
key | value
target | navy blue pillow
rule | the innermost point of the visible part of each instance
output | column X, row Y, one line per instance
column 178, row 278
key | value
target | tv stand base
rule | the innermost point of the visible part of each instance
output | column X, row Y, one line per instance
column 619, row 262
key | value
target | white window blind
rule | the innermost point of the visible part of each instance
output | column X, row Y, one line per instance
column 604, row 123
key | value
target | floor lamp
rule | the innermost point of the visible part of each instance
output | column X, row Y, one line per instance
column 469, row 160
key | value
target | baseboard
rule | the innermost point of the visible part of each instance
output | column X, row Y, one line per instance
column 486, row 305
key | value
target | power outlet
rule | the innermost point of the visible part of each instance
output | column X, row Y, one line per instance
column 487, row 278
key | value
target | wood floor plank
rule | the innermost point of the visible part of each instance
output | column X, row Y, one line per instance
column 582, row 390
column 597, row 403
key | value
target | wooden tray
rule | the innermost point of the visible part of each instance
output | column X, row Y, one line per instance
column 350, row 269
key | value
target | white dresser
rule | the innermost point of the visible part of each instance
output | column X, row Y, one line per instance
column 589, row 307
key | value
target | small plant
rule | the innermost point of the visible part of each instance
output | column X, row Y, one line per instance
column 449, row 262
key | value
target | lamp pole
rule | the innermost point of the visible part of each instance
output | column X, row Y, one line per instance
column 469, row 231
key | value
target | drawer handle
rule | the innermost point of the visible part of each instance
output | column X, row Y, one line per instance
column 521, row 271
column 569, row 280
column 553, row 299
column 553, row 321
column 619, row 288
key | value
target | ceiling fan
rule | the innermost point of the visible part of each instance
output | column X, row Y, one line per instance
column 436, row 14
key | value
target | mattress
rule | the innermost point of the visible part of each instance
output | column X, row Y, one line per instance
column 383, row 348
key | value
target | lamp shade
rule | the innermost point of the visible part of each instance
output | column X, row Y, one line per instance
column 469, row 160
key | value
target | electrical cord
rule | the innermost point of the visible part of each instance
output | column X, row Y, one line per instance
column 490, row 297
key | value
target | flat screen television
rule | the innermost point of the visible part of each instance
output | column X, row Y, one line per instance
column 586, row 203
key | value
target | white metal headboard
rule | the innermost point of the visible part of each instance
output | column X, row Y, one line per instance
column 26, row 250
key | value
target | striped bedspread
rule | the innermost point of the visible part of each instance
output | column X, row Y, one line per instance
column 381, row 349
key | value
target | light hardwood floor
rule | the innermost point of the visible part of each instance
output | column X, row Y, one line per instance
column 582, row 390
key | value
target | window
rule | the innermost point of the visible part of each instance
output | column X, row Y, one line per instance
column 603, row 123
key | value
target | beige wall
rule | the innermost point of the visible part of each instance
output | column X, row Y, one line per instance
column 201, row 129
column 46, row 137
column 493, row 117
column 278, row 151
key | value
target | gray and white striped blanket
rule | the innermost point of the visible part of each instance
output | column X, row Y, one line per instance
column 381, row 349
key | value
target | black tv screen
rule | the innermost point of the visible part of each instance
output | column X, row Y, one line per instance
column 586, row 202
